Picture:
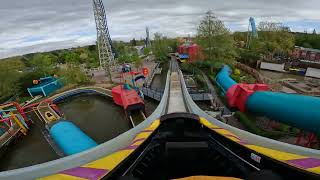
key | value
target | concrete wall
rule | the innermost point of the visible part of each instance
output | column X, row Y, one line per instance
column 313, row 72
column 272, row 66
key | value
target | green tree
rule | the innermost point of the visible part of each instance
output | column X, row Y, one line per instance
column 240, row 36
column 74, row 75
column 43, row 63
column 146, row 51
column 92, row 48
column 125, row 53
column 314, row 32
column 72, row 58
column 124, row 58
column 306, row 45
column 160, row 47
column 84, row 57
column 308, row 40
column 10, row 73
column 215, row 40
column 248, row 57
column 120, row 47
column 133, row 42
column 173, row 45
column 138, row 62
column 273, row 39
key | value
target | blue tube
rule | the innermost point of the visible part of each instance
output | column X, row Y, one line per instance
column 70, row 138
column 295, row 110
column 224, row 80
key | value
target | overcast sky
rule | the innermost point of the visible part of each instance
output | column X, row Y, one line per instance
column 41, row 25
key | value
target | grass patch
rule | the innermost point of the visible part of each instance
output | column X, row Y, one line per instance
column 250, row 124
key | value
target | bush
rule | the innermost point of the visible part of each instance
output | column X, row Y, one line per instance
column 248, row 123
column 186, row 67
column 243, row 77
column 74, row 75
column 26, row 81
column 248, row 57
column 201, row 82
column 236, row 78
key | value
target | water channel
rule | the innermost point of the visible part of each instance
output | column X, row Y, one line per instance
column 96, row 115
column 159, row 81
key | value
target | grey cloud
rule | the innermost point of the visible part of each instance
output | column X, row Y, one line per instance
column 69, row 23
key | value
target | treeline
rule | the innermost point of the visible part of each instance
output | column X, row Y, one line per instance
column 307, row 40
column 273, row 41
column 162, row 45
column 17, row 73
column 300, row 39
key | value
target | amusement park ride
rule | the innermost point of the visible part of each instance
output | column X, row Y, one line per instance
column 179, row 139
column 148, row 42
column 253, row 33
column 13, row 122
column 130, row 98
column 107, row 52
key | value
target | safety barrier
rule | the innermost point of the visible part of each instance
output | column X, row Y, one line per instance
column 98, row 90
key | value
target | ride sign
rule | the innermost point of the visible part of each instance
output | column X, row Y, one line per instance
column 145, row 71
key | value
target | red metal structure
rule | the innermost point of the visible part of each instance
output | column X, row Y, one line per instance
column 192, row 50
column 238, row 94
column 13, row 122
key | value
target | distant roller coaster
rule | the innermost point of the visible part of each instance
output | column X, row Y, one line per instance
column 148, row 42
column 107, row 52
column 253, row 33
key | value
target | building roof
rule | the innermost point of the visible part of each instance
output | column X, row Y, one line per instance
column 183, row 56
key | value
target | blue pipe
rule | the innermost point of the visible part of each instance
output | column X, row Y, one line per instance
column 224, row 80
column 296, row 110
column 70, row 138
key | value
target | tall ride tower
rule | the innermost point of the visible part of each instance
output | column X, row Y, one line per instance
column 253, row 34
column 148, row 43
column 106, row 51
